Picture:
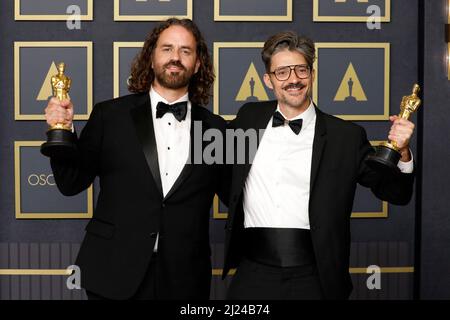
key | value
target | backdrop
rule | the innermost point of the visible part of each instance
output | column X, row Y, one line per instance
column 362, row 74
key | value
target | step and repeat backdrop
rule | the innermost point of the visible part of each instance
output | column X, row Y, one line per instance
column 363, row 69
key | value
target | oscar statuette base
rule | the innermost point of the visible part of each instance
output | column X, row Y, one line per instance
column 384, row 160
column 60, row 144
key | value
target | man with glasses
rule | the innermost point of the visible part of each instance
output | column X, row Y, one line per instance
column 288, row 228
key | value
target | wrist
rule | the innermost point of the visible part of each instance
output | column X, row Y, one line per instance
column 405, row 154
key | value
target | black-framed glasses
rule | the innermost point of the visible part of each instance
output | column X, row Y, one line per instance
column 283, row 73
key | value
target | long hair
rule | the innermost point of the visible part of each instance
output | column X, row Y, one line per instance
column 142, row 74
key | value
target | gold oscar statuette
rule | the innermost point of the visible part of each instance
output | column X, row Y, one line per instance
column 60, row 139
column 387, row 155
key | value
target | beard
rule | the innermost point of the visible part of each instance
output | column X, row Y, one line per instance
column 174, row 80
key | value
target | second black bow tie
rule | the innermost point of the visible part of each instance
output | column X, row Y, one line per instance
column 178, row 109
column 295, row 125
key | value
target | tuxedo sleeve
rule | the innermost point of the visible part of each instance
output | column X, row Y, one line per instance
column 76, row 174
column 396, row 188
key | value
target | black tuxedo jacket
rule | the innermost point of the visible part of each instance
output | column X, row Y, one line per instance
column 339, row 151
column 118, row 145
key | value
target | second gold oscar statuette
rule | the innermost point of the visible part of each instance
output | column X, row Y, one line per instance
column 387, row 155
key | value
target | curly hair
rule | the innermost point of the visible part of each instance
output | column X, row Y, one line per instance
column 142, row 74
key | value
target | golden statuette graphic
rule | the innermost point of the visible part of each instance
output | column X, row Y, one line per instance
column 387, row 154
column 60, row 139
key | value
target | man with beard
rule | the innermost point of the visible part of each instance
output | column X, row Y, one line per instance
column 149, row 235
column 288, row 228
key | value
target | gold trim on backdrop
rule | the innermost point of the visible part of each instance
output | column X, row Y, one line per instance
column 448, row 11
column 318, row 18
column 383, row 270
column 217, row 46
column 358, row 45
column 219, row 17
column 116, row 62
column 448, row 59
column 35, row 272
column 21, row 215
column 52, row 17
column 381, row 214
column 216, row 209
column 215, row 272
column 218, row 272
column 448, row 39
column 447, row 36
column 53, row 44
column 358, row 214
column 119, row 17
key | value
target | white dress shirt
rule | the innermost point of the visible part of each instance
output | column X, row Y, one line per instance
column 172, row 141
column 276, row 192
column 277, row 189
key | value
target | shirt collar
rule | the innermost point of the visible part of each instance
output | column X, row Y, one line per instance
column 155, row 97
column 307, row 115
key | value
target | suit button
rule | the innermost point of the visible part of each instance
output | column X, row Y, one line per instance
column 153, row 235
column 163, row 205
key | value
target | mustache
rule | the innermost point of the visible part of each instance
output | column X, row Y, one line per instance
column 294, row 86
column 174, row 64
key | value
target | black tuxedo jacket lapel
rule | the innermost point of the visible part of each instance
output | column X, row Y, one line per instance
column 257, row 121
column 143, row 122
column 320, row 140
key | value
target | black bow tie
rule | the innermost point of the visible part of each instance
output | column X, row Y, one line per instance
column 178, row 109
column 278, row 120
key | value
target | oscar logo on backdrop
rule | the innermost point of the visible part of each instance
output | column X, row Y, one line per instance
column 350, row 90
column 252, row 88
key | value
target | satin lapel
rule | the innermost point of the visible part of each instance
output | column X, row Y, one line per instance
column 259, row 121
column 143, row 123
column 320, row 139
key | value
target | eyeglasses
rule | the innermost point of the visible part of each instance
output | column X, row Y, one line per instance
column 283, row 73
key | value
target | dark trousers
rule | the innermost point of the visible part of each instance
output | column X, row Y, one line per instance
column 255, row 281
column 149, row 289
